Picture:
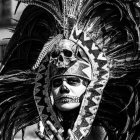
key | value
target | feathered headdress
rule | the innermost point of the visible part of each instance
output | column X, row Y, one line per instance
column 107, row 32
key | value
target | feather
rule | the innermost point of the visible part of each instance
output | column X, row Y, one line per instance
column 17, row 106
column 34, row 29
column 117, row 112
column 114, row 30
column 51, row 6
column 17, row 6
column 47, row 48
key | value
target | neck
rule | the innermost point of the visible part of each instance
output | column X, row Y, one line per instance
column 68, row 118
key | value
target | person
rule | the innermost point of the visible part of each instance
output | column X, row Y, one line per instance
column 67, row 81
column 73, row 66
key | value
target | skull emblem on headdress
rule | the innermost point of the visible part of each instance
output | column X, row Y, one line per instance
column 63, row 53
column 66, row 58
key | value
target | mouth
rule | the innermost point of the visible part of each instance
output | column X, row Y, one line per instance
column 67, row 99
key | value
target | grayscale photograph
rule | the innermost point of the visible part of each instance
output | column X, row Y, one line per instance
column 69, row 69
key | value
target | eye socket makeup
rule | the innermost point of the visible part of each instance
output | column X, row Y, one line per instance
column 71, row 80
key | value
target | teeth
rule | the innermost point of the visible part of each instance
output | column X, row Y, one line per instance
column 68, row 100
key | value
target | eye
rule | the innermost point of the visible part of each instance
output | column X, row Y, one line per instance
column 57, row 82
column 67, row 53
column 55, row 53
column 74, row 81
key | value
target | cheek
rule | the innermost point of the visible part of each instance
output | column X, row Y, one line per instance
column 78, row 91
column 55, row 91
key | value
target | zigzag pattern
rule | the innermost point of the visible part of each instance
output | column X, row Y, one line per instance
column 93, row 45
column 43, row 100
column 100, row 74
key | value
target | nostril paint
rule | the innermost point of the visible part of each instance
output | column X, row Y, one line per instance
column 61, row 58
column 64, row 89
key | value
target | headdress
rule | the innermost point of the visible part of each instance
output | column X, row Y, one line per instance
column 89, row 35
column 67, row 58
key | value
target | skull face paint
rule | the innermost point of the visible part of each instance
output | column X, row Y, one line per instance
column 67, row 91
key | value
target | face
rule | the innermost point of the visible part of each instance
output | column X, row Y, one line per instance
column 67, row 91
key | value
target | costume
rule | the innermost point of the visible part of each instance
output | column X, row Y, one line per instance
column 107, row 36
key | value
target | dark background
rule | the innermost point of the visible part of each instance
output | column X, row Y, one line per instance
column 7, row 8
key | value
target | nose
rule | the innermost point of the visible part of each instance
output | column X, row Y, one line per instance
column 61, row 58
column 64, row 88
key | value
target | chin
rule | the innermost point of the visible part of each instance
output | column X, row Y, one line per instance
column 67, row 106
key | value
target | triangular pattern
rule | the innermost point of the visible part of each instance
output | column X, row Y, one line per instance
column 77, row 31
column 93, row 109
column 44, row 116
column 86, row 37
column 40, row 109
column 41, row 102
column 42, row 68
column 87, row 71
column 36, row 90
column 39, row 76
column 101, row 56
column 37, row 99
column 106, row 76
column 101, row 63
column 85, row 130
column 89, row 120
column 105, row 67
column 101, row 70
column 99, row 90
column 95, row 53
column 94, row 47
column 103, row 82
column 38, row 94
column 44, row 111
column 94, row 99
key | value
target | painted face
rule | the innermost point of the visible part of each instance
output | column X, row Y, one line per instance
column 67, row 91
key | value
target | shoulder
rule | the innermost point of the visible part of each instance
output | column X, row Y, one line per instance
column 96, row 133
column 29, row 133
